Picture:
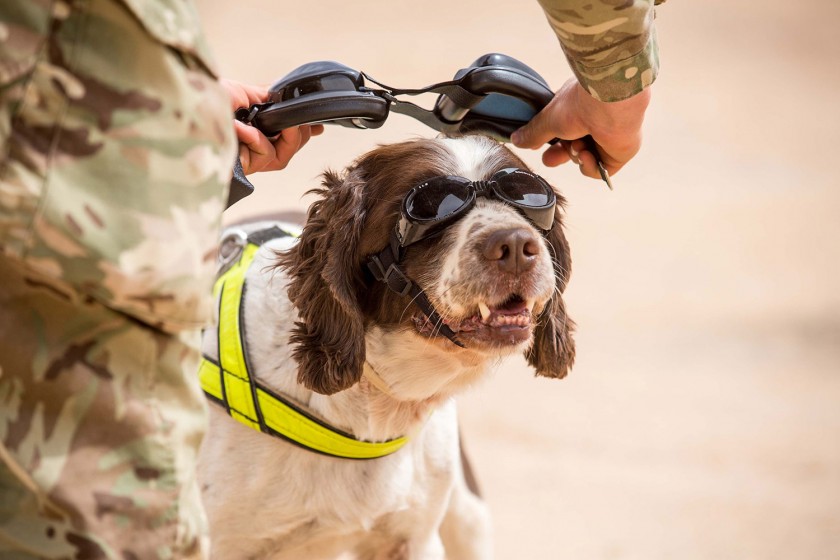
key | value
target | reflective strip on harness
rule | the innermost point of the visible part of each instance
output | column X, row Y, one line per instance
column 284, row 420
column 237, row 385
column 230, row 384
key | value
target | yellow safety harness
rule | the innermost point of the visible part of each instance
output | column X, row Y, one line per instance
column 230, row 384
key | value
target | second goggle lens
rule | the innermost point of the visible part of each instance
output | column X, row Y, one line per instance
column 525, row 189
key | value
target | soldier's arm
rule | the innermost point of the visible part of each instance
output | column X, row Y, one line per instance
column 611, row 46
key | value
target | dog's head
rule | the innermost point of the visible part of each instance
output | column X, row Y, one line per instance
column 493, row 277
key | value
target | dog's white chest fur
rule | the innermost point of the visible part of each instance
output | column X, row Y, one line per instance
column 275, row 501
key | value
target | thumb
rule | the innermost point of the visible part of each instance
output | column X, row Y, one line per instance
column 559, row 119
column 538, row 131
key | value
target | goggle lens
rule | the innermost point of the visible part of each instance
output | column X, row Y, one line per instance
column 437, row 199
column 524, row 190
column 328, row 82
column 507, row 107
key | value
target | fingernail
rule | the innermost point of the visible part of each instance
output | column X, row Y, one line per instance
column 516, row 137
column 573, row 152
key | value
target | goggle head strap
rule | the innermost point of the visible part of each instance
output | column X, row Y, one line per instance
column 452, row 89
column 385, row 267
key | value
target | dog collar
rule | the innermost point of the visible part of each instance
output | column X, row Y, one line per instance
column 228, row 381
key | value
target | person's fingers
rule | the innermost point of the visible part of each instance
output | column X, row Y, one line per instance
column 559, row 119
column 612, row 164
column 316, row 129
column 253, row 147
column 305, row 135
column 575, row 148
column 245, row 159
column 615, row 153
column 579, row 153
column 285, row 147
column 247, row 135
column 258, row 153
column 308, row 131
column 588, row 165
column 256, row 94
column 537, row 132
column 244, row 95
column 557, row 154
column 263, row 154
column 290, row 142
column 251, row 94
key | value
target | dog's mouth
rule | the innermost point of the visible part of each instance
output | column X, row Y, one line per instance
column 503, row 324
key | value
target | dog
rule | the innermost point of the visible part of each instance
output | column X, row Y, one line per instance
column 323, row 334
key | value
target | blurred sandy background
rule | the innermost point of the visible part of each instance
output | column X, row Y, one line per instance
column 702, row 419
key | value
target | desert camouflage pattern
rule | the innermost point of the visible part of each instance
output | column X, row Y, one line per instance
column 610, row 44
column 115, row 154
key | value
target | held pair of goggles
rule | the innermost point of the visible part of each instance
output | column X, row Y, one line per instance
column 495, row 95
column 433, row 205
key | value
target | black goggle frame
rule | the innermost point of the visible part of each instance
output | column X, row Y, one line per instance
column 495, row 95
column 501, row 186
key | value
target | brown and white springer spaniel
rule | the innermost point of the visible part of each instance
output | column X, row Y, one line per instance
column 367, row 361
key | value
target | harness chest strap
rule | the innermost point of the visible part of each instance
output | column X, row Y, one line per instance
column 229, row 383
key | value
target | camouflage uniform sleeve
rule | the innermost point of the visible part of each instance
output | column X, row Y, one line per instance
column 610, row 44
column 115, row 152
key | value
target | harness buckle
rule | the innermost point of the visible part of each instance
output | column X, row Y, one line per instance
column 230, row 248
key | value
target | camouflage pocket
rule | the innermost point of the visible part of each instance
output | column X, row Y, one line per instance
column 119, row 152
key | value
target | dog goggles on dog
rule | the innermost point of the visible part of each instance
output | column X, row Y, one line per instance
column 436, row 203
column 495, row 95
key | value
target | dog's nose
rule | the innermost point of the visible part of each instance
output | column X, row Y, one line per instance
column 513, row 250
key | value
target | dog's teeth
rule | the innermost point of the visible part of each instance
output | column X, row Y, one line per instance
column 530, row 305
column 485, row 311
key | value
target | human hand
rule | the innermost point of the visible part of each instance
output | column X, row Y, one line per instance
column 256, row 151
column 616, row 128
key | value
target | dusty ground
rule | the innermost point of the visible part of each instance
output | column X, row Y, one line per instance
column 702, row 419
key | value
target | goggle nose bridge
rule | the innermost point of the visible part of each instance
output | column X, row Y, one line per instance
column 483, row 188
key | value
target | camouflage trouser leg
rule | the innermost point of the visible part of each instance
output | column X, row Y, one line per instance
column 115, row 152
column 98, row 430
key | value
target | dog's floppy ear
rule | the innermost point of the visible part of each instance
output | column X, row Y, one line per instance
column 324, row 272
column 553, row 351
